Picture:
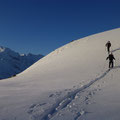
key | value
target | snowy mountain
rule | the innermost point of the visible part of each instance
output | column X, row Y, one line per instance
column 71, row 83
column 12, row 63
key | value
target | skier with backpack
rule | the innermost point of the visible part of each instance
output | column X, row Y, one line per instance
column 111, row 60
column 108, row 45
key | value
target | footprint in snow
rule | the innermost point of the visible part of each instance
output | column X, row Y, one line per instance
column 32, row 106
column 51, row 95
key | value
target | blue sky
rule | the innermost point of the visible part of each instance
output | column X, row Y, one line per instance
column 41, row 26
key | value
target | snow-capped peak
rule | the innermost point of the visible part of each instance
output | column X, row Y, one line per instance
column 12, row 63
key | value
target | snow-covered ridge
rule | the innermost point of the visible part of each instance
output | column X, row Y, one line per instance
column 63, row 84
column 12, row 63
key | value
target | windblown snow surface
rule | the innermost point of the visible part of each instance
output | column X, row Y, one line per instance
column 71, row 83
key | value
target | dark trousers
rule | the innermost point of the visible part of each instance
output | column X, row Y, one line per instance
column 111, row 64
column 108, row 49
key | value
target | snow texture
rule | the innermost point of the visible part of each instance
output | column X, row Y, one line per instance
column 71, row 83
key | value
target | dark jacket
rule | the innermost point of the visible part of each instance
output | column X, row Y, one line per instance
column 108, row 44
column 110, row 57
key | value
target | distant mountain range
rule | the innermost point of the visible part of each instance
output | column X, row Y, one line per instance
column 12, row 63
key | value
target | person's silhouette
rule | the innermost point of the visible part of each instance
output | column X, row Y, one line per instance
column 111, row 62
column 108, row 45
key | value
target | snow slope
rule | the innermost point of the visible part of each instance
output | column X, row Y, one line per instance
column 12, row 63
column 71, row 83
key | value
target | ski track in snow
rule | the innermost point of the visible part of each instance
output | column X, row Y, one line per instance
column 63, row 102
column 115, row 50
